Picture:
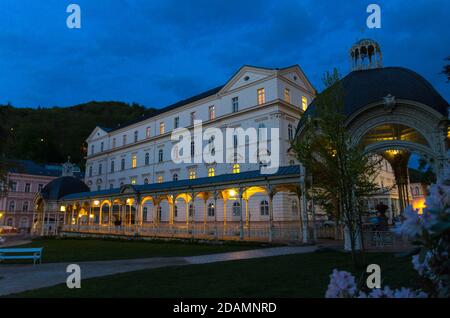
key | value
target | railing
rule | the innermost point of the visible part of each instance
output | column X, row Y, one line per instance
column 281, row 231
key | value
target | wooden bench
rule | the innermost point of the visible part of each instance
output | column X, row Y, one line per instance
column 22, row 253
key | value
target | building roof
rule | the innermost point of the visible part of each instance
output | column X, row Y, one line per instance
column 364, row 87
column 63, row 186
column 186, row 101
column 187, row 183
column 32, row 168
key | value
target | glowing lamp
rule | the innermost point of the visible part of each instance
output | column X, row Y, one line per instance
column 232, row 192
column 62, row 208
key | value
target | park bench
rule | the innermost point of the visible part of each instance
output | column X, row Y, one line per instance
column 22, row 253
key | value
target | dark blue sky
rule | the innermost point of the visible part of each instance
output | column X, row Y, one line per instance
column 156, row 53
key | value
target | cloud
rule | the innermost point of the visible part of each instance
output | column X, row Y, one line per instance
column 157, row 52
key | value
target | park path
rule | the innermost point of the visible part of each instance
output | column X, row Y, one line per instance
column 18, row 278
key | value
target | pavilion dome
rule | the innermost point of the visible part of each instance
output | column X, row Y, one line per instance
column 63, row 186
column 365, row 87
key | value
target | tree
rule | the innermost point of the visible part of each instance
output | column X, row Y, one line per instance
column 343, row 174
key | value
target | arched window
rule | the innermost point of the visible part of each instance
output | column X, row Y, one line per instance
column 264, row 208
column 236, row 209
column 147, row 159
column 211, row 172
column 159, row 212
column 191, row 209
column 211, row 209
column 236, row 168
column 144, row 214
column 146, row 181
column 290, row 132
column 175, row 177
column 211, row 146
column 294, row 207
column 160, row 155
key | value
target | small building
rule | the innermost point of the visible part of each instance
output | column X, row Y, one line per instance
column 25, row 179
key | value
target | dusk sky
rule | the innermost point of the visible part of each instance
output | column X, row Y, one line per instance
column 158, row 52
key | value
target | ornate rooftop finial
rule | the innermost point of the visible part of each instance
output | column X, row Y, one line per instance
column 364, row 55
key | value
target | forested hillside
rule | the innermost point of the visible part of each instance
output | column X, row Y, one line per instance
column 49, row 135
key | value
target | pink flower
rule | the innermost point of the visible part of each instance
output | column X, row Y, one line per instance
column 342, row 285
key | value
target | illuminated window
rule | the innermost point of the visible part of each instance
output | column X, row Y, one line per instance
column 304, row 102
column 148, row 132
column 161, row 128
column 211, row 172
column 176, row 122
column 192, row 174
column 211, row 209
column 160, row 179
column 287, row 95
column 264, row 208
column 212, row 112
column 133, row 161
column 235, row 104
column 236, row 168
column 236, row 209
column 261, row 96
column 290, row 132
column 133, row 181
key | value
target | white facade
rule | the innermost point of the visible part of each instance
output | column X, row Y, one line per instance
column 132, row 154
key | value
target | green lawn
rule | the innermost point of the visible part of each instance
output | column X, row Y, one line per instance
column 302, row 275
column 71, row 250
